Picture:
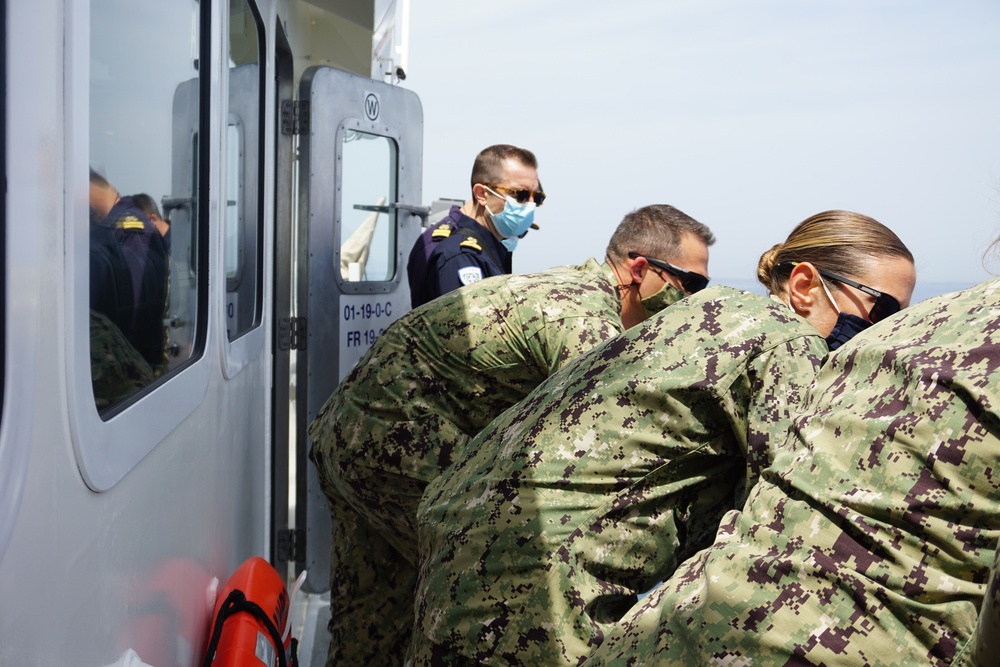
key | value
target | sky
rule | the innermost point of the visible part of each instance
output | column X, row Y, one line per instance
column 748, row 115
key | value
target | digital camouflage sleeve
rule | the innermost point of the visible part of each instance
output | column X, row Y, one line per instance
column 594, row 487
column 983, row 649
column 117, row 370
column 872, row 542
column 430, row 382
column 442, row 372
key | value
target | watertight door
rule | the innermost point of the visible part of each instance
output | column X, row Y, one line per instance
column 361, row 152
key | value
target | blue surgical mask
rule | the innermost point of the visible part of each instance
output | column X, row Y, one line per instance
column 510, row 243
column 514, row 220
column 847, row 326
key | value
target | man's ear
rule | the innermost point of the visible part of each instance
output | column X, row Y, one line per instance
column 638, row 269
column 479, row 193
column 801, row 287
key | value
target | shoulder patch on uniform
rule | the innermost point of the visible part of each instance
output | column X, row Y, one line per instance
column 130, row 222
column 471, row 243
column 442, row 231
column 470, row 274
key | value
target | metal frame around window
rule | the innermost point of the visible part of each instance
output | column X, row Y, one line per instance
column 109, row 445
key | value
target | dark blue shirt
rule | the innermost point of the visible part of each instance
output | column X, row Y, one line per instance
column 147, row 261
column 110, row 281
column 455, row 252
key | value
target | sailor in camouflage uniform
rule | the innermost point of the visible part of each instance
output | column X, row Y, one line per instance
column 117, row 369
column 439, row 375
column 603, row 479
column 871, row 541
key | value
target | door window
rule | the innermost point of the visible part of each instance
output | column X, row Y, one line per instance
column 368, row 222
column 241, row 243
column 142, row 264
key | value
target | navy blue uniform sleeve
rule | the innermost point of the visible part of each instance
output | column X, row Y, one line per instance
column 461, row 269
column 110, row 281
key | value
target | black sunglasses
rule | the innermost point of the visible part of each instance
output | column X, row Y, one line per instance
column 885, row 304
column 691, row 282
column 522, row 196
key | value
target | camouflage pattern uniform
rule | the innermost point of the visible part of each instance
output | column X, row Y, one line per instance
column 984, row 647
column 593, row 489
column 117, row 369
column 432, row 381
column 871, row 543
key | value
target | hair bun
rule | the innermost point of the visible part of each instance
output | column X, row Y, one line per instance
column 765, row 267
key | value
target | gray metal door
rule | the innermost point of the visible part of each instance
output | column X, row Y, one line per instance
column 360, row 185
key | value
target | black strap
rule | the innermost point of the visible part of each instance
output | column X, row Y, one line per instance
column 484, row 243
column 234, row 604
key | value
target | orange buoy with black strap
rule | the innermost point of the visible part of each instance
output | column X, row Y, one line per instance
column 251, row 608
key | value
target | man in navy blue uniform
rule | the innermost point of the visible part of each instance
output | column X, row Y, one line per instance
column 147, row 261
column 148, row 206
column 110, row 281
column 476, row 240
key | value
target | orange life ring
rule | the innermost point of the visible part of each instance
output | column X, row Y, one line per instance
column 250, row 612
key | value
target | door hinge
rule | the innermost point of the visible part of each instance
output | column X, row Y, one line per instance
column 291, row 544
column 291, row 333
column 294, row 117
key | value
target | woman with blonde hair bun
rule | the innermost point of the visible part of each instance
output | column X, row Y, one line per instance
column 594, row 487
column 836, row 252
column 872, row 537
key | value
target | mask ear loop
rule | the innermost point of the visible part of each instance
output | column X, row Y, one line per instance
column 621, row 285
column 506, row 198
column 822, row 283
column 828, row 295
column 495, row 194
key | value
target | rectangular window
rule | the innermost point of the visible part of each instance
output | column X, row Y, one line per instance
column 241, row 247
column 145, row 106
column 368, row 222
